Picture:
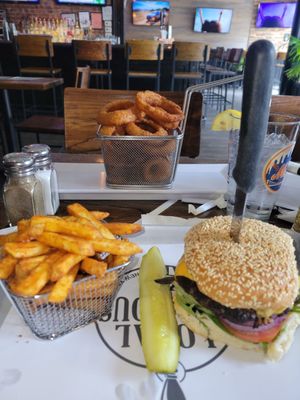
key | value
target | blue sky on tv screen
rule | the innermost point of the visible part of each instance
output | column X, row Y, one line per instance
column 83, row 1
column 213, row 14
column 150, row 5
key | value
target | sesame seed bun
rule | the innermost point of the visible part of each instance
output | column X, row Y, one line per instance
column 259, row 273
column 274, row 351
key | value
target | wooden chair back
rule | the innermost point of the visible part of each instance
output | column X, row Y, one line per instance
column 149, row 50
column 82, row 106
column 34, row 45
column 288, row 105
column 237, row 56
column 83, row 75
column 88, row 50
column 191, row 51
column 281, row 55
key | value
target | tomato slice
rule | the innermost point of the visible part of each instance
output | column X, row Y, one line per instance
column 255, row 335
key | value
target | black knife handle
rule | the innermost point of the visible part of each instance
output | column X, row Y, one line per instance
column 257, row 92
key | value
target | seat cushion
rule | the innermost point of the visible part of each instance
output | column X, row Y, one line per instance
column 42, row 124
column 141, row 74
column 188, row 75
column 99, row 71
column 40, row 71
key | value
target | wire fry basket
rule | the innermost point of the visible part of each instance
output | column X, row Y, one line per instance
column 141, row 161
column 89, row 299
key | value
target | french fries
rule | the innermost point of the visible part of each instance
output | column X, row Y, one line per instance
column 122, row 228
column 67, row 243
column 10, row 237
column 7, row 265
column 77, row 210
column 24, row 250
column 62, row 266
column 63, row 285
column 69, row 228
column 48, row 253
column 94, row 267
column 32, row 283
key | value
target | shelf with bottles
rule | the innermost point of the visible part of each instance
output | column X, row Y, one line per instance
column 61, row 29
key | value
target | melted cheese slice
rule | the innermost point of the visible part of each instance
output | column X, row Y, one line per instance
column 181, row 269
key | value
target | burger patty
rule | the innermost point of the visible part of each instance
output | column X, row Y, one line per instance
column 236, row 315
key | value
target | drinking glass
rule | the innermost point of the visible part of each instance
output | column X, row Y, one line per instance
column 277, row 150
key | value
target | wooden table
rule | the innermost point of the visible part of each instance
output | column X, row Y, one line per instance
column 10, row 139
column 131, row 210
column 28, row 83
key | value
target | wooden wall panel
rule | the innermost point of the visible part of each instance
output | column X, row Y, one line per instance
column 182, row 20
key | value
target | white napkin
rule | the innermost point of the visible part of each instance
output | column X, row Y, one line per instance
column 148, row 219
column 219, row 202
column 288, row 216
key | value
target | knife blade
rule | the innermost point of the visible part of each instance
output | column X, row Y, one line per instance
column 257, row 92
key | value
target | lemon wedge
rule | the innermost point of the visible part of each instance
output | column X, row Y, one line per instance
column 227, row 120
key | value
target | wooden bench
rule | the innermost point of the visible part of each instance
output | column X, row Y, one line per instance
column 82, row 106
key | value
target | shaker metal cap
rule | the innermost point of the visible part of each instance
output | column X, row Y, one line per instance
column 40, row 152
column 17, row 161
column 18, row 164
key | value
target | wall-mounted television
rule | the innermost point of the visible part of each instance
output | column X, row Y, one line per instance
column 20, row 1
column 212, row 20
column 150, row 12
column 84, row 2
column 275, row 15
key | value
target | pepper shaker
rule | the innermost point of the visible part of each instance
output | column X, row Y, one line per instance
column 22, row 191
column 46, row 174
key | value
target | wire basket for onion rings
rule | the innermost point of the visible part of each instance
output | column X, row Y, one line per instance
column 89, row 299
column 141, row 161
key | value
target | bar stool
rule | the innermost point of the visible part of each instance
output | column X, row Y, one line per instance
column 139, row 51
column 193, row 54
column 39, row 46
column 51, row 125
column 98, row 52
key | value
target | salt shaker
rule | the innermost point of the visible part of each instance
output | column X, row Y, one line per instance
column 22, row 191
column 46, row 174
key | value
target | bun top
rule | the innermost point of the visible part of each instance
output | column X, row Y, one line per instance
column 260, row 272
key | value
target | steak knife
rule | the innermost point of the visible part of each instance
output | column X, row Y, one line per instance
column 257, row 92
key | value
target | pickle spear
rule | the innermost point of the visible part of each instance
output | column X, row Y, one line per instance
column 160, row 339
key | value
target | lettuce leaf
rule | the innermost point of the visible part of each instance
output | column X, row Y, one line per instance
column 190, row 304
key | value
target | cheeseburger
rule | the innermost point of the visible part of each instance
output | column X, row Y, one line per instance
column 242, row 294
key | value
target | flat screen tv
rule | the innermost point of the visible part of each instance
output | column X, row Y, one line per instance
column 20, row 1
column 84, row 2
column 275, row 15
column 150, row 12
column 212, row 20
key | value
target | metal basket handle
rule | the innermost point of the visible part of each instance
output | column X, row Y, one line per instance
column 200, row 88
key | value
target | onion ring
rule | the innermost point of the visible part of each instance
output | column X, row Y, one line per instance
column 107, row 130
column 157, row 170
column 145, row 127
column 163, row 111
column 119, row 112
column 161, row 147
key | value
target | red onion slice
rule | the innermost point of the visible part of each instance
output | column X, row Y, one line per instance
column 248, row 327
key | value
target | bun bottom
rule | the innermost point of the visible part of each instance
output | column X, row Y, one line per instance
column 274, row 351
